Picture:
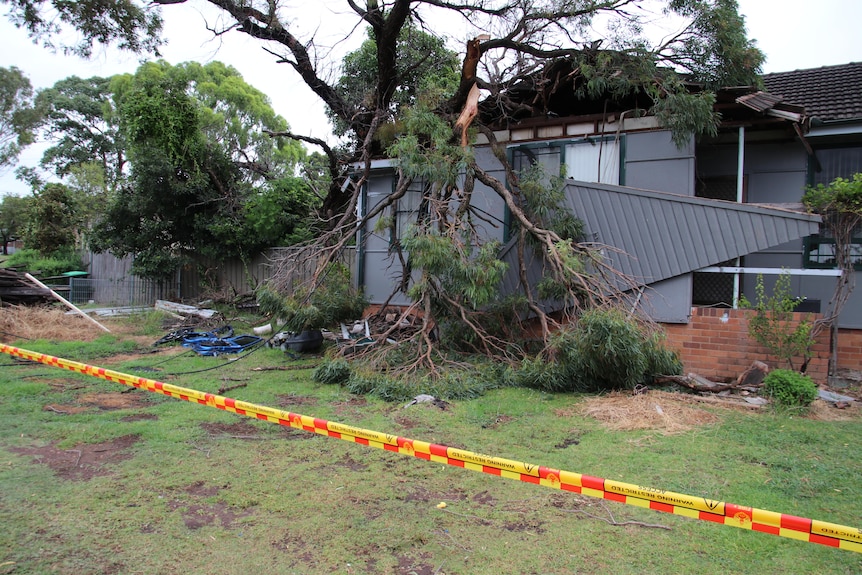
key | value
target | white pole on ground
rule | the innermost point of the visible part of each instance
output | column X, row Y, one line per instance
column 65, row 301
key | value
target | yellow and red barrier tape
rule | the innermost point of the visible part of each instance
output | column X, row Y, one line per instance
column 783, row 525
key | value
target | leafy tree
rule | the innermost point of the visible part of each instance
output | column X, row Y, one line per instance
column 773, row 325
column 840, row 204
column 524, row 56
column 52, row 220
column 425, row 67
column 200, row 164
column 13, row 215
column 81, row 123
column 18, row 115
column 131, row 25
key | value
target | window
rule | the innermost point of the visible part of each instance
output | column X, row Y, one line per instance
column 593, row 160
column 819, row 249
column 819, row 252
column 586, row 160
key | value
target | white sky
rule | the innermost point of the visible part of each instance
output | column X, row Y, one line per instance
column 794, row 34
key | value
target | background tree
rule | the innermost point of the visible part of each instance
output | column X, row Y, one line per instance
column 13, row 215
column 199, row 166
column 18, row 115
column 52, row 220
column 129, row 25
column 540, row 48
column 80, row 121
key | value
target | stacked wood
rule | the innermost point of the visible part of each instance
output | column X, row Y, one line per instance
column 15, row 289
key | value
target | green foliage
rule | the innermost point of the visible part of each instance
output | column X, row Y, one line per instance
column 332, row 301
column 205, row 179
column 452, row 385
column 425, row 69
column 52, row 219
column 14, row 213
column 81, row 122
column 717, row 51
column 772, row 325
column 123, row 23
column 790, row 389
column 604, row 351
column 333, row 372
column 45, row 265
column 425, row 149
column 685, row 114
column 843, row 196
column 544, row 197
column 18, row 115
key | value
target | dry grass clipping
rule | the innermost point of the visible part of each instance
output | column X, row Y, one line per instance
column 824, row 411
column 41, row 322
column 661, row 411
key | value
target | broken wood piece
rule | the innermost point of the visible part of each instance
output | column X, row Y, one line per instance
column 754, row 375
column 65, row 301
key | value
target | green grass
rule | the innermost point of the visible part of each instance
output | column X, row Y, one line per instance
column 206, row 491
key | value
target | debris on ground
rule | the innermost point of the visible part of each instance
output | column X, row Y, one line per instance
column 836, row 398
column 657, row 410
column 425, row 398
column 183, row 309
column 16, row 289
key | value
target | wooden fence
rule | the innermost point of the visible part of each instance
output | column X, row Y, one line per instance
column 111, row 282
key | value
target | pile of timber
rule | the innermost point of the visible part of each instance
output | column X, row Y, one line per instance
column 16, row 289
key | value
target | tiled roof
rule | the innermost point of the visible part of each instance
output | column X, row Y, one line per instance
column 827, row 93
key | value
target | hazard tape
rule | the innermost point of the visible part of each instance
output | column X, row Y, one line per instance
column 780, row 524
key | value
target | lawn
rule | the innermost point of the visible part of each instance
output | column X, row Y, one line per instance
column 97, row 477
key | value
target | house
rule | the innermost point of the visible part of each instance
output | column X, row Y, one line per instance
column 693, row 224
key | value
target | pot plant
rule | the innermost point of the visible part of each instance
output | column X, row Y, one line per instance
column 306, row 311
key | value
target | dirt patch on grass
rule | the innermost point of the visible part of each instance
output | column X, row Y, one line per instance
column 292, row 400
column 416, row 565
column 657, row 410
column 102, row 401
column 84, row 461
column 198, row 515
column 238, row 430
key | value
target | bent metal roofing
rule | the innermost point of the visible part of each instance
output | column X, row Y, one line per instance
column 659, row 235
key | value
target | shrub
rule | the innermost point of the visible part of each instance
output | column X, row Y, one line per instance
column 790, row 388
column 333, row 371
column 606, row 350
column 45, row 265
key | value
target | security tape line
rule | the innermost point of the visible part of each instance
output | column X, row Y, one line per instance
column 780, row 524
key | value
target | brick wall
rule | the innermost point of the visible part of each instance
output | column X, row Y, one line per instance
column 715, row 344
column 849, row 352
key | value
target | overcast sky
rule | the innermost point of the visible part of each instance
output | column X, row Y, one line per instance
column 794, row 34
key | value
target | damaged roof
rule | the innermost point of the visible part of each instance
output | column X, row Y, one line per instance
column 828, row 93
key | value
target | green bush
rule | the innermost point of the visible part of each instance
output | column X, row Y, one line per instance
column 333, row 371
column 789, row 388
column 606, row 350
column 36, row 263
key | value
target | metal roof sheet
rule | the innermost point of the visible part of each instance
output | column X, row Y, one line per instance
column 659, row 235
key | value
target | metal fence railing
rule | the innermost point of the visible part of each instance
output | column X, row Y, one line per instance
column 125, row 291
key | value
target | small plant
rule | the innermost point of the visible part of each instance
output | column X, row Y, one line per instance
column 333, row 372
column 789, row 388
column 773, row 327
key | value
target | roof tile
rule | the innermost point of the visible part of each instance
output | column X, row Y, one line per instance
column 827, row 93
